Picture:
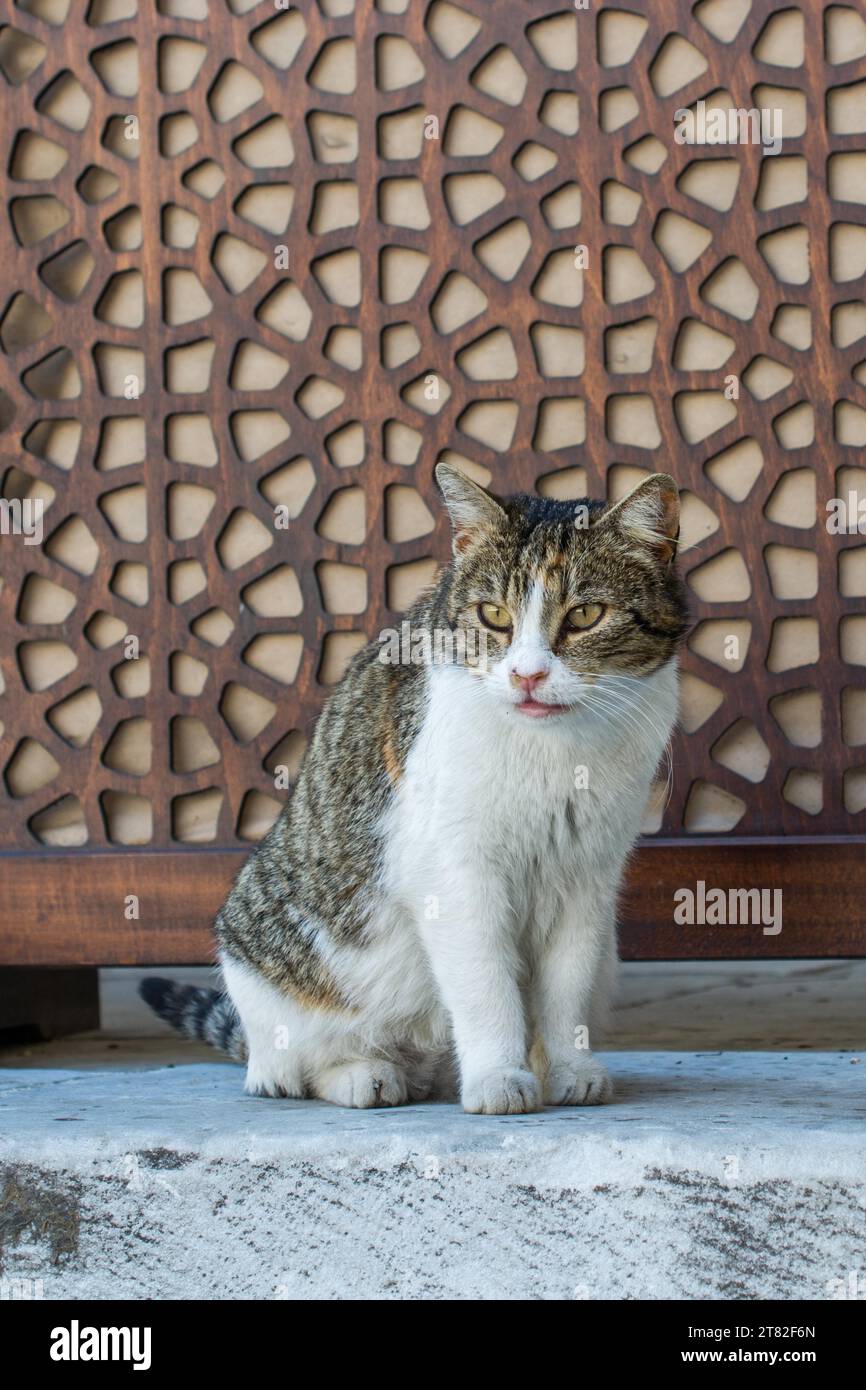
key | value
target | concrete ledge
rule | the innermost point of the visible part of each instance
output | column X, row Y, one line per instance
column 738, row 1175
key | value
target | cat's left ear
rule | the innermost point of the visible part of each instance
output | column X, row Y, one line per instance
column 471, row 508
column 650, row 514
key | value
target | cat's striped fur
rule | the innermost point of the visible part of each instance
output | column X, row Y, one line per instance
column 208, row 1015
column 442, row 881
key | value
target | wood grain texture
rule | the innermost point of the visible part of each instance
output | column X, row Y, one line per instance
column 73, row 908
column 374, row 396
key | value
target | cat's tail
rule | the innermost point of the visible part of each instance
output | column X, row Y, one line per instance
column 205, row 1014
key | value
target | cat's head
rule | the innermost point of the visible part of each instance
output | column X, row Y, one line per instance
column 561, row 594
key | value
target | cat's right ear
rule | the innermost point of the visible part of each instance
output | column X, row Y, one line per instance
column 471, row 508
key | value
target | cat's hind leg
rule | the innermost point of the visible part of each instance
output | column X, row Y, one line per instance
column 296, row 1051
column 273, row 1029
column 410, row 1074
column 361, row 1084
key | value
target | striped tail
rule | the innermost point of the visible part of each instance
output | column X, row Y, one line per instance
column 205, row 1014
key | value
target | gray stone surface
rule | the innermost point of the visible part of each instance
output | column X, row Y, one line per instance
column 713, row 1175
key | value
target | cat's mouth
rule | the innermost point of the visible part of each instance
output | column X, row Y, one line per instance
column 536, row 709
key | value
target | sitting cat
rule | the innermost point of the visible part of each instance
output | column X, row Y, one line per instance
column 443, row 883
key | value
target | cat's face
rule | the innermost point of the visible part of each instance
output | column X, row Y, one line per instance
column 564, row 598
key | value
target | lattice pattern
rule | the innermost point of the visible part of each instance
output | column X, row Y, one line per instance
column 274, row 265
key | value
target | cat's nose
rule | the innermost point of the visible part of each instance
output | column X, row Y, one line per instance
column 528, row 683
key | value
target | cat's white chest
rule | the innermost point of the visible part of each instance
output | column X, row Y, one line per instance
column 483, row 783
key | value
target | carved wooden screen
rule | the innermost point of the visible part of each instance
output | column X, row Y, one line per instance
column 264, row 266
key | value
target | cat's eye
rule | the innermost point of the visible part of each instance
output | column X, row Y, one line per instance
column 495, row 616
column 584, row 616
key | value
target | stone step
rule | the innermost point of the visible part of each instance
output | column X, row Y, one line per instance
column 711, row 1176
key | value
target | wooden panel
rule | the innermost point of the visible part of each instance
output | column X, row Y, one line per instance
column 43, row 1003
column 74, row 908
column 260, row 261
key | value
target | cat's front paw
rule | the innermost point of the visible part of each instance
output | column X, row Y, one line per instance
column 504, row 1092
column 578, row 1083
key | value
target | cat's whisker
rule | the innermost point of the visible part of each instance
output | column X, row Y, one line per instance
column 633, row 691
column 667, row 791
column 665, row 754
column 629, row 714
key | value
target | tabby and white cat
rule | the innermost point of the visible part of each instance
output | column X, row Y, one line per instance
column 442, row 885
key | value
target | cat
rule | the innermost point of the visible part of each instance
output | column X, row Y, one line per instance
column 439, row 896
